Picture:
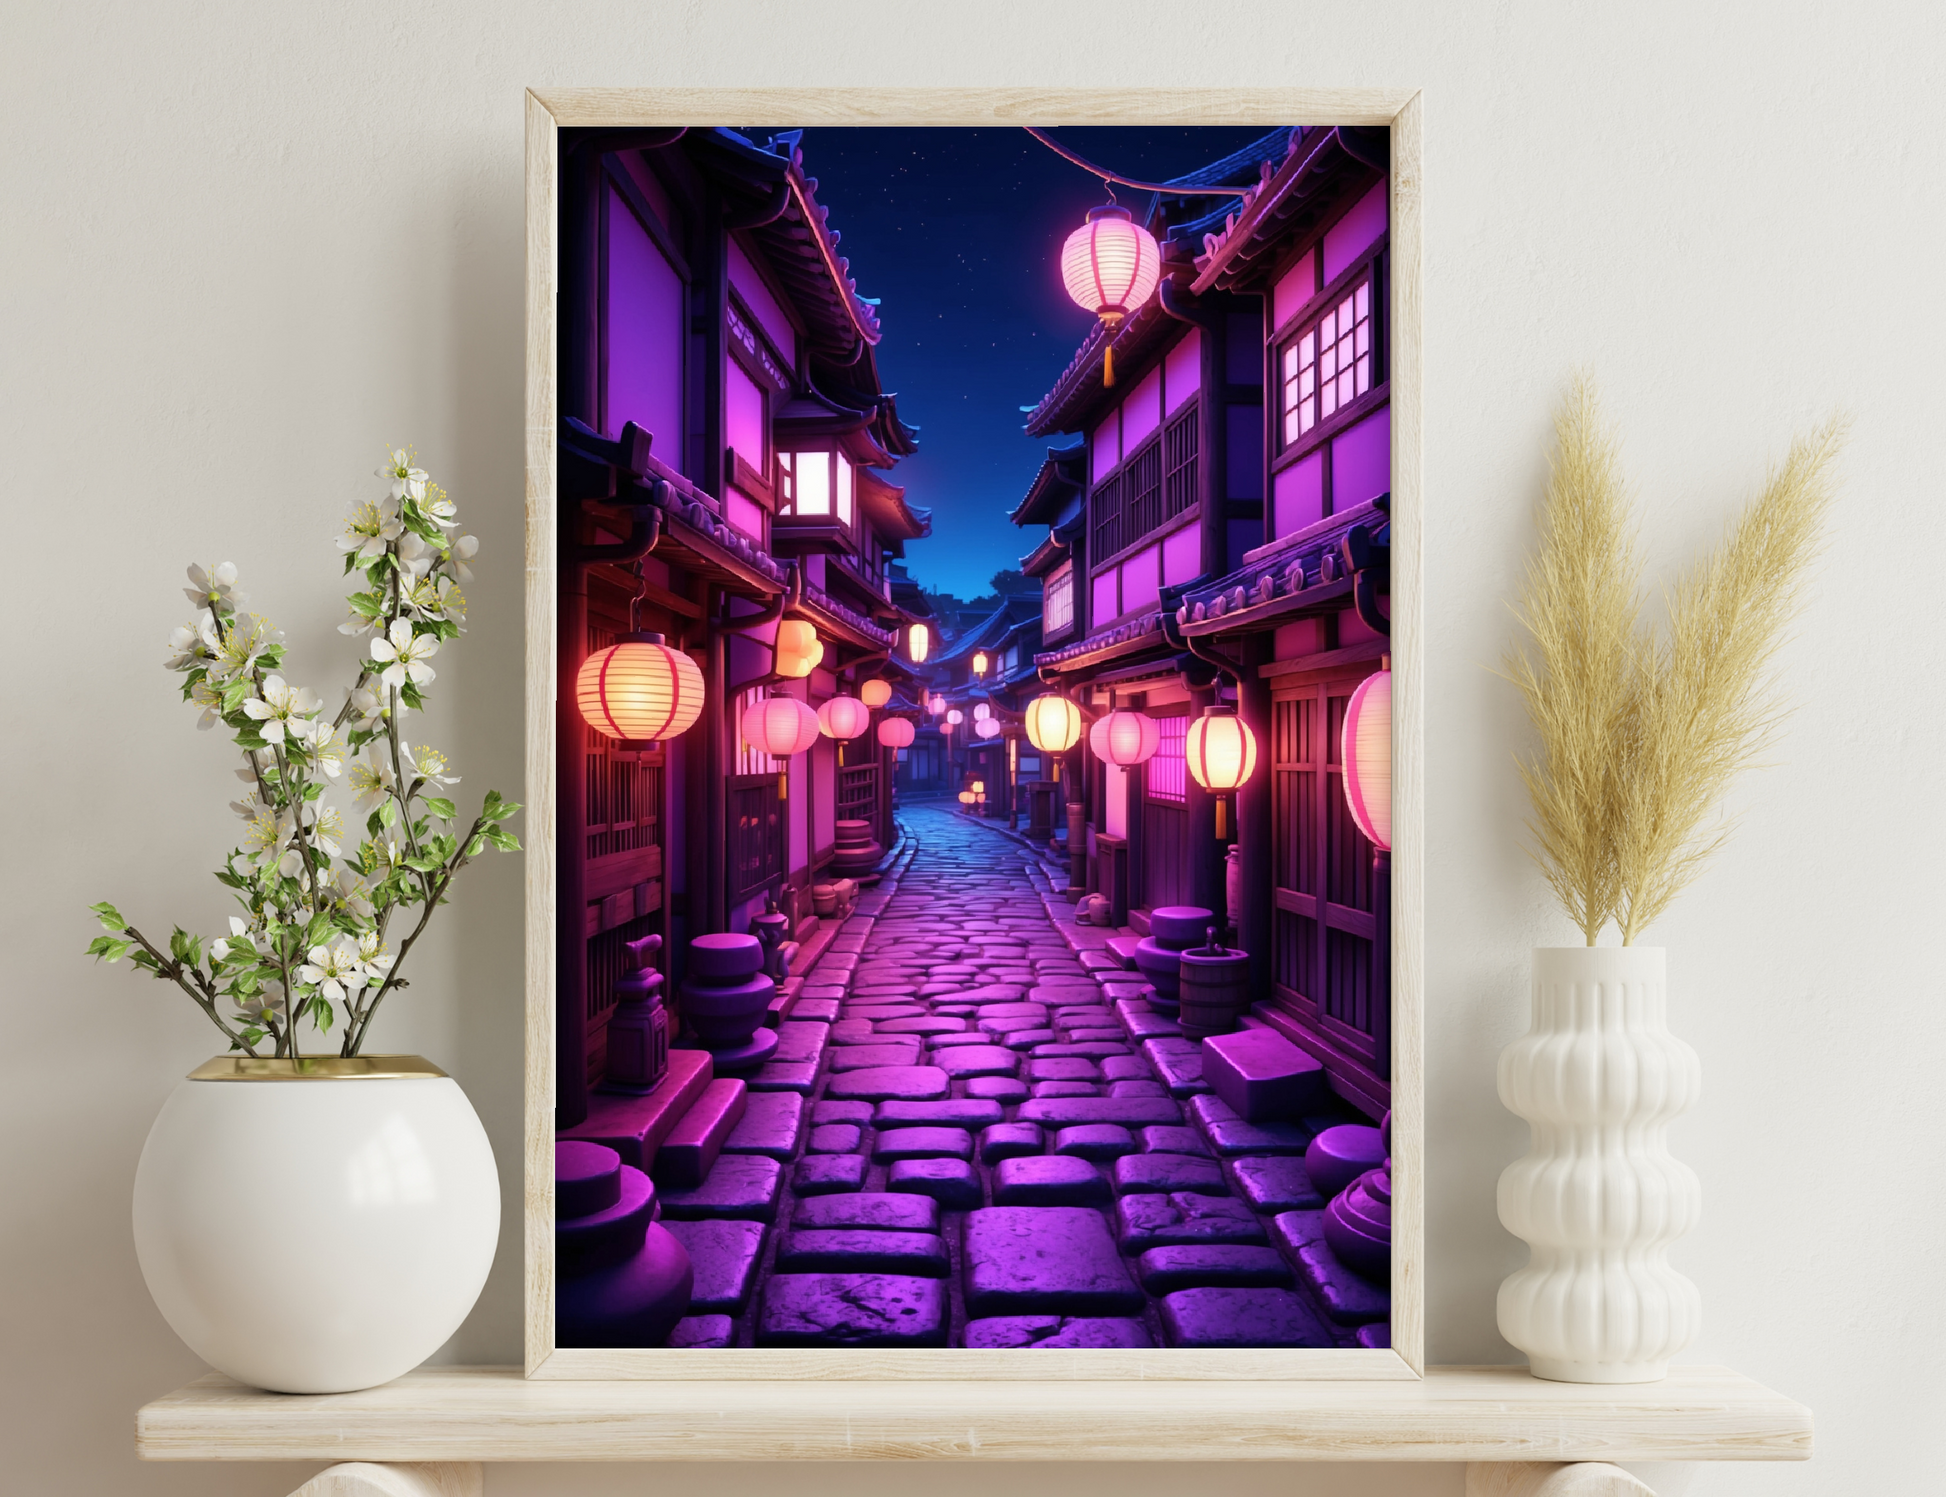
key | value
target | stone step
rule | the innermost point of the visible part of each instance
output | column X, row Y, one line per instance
column 635, row 1127
column 691, row 1149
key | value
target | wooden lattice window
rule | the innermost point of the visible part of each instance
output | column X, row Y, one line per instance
column 1328, row 364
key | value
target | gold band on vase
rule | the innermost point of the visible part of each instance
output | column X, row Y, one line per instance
column 317, row 1068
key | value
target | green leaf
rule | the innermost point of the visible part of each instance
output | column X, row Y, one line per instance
column 249, row 738
column 321, row 1015
column 498, row 809
column 235, row 693
column 476, row 846
column 147, row 962
column 366, row 605
column 425, row 862
column 252, row 1035
column 444, row 809
column 109, row 916
column 107, row 948
column 412, row 697
column 388, row 812
column 374, row 824
column 503, row 839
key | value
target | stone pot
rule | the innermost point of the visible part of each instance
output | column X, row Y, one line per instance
column 316, row 1226
column 621, row 1278
column 1598, row 1198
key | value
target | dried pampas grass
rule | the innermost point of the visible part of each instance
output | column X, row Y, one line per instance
column 1641, row 733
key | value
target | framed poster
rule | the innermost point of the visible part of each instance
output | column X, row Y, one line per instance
column 978, row 930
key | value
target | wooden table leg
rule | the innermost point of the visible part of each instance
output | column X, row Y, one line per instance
column 1552, row 1479
column 371, row 1479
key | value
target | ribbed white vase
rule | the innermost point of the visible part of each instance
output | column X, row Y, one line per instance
column 1599, row 1198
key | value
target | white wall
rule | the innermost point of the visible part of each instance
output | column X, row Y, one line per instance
column 246, row 244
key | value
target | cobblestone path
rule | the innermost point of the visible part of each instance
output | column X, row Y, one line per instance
column 976, row 1134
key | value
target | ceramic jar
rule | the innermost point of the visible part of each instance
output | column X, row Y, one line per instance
column 316, row 1226
column 1598, row 1198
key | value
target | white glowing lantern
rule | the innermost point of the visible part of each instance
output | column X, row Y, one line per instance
column 918, row 643
column 844, row 717
column 875, row 693
column 987, row 727
column 896, row 732
column 639, row 691
column 1220, row 749
column 780, row 726
column 955, row 718
column 981, row 712
column 1125, row 738
column 1110, row 266
column 1053, row 724
column 936, row 705
column 1366, row 750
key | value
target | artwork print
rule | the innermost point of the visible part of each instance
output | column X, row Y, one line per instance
column 972, row 740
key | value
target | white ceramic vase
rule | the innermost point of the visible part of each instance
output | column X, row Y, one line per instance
column 1599, row 1198
column 320, row 1226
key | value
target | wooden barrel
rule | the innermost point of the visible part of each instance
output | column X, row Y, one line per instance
column 1214, row 989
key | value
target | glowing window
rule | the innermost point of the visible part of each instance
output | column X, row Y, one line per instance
column 1057, row 603
column 1329, row 364
column 844, row 488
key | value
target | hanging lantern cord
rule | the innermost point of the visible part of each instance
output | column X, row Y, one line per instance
column 1173, row 189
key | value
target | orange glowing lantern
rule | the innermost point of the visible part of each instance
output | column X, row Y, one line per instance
column 798, row 649
column 1110, row 266
column 639, row 691
column 1222, row 755
column 980, row 662
column 875, row 693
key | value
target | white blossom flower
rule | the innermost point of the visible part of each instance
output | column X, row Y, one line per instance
column 437, row 597
column 348, row 894
column 247, row 805
column 240, row 936
column 356, row 623
column 267, row 1005
column 213, row 586
column 372, row 526
column 375, row 959
column 241, row 646
column 371, row 781
column 325, row 742
column 435, row 506
column 282, row 708
column 371, row 708
column 428, row 766
column 408, row 482
column 263, row 838
column 325, row 826
column 459, row 551
column 192, row 643
column 334, row 970
column 403, row 655
column 416, row 558
column 210, row 699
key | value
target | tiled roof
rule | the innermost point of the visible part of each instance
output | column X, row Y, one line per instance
column 1318, row 166
column 1137, row 628
column 1274, row 579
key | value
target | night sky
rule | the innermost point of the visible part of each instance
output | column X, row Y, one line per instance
column 959, row 233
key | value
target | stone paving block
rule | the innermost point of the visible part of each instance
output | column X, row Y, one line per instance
column 939, row 1044
column 835, row 1138
column 1098, row 1034
column 1215, row 1318
column 922, row 1143
column 1143, row 1022
column 852, row 1310
column 1080, row 1050
column 1164, row 1174
column 1184, row 1219
column 1130, row 1112
column 1178, row 1063
column 875, row 1013
column 1012, row 1009
column 723, row 1256
column 875, row 1210
column 1031, row 1331
column 1003, row 1089
column 1095, row 1141
column 929, row 1025
column 823, row 1009
column 1061, row 1068
column 953, row 1113
column 1137, row 1089
column 1274, row 1183
column 703, row 1333
column 1164, row 1270
column 1099, row 961
column 1028, row 1260
column 1029, row 1039
column 953, row 1183
column 798, row 1076
column 1048, row 1180
column 771, row 1124
column 1376, row 1336
column 1043, row 1089
column 1125, row 1068
column 956, row 1010
column 871, row 1057
column 1348, row 1298
column 742, row 1187
column 1229, row 1135
column 889, row 1083
column 1010, row 1141
column 1263, row 1076
column 840, row 1112
column 826, row 1174
column 1174, row 1140
column 922, row 1254
column 967, row 1061
column 853, row 1032
column 1010, row 1023
column 798, row 1040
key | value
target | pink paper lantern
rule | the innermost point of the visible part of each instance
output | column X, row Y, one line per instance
column 1366, row 750
column 1111, row 263
column 780, row 726
column 987, row 727
column 896, row 732
column 1125, row 738
column 844, row 717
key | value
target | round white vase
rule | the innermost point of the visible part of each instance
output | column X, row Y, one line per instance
column 316, row 1226
column 1599, row 1198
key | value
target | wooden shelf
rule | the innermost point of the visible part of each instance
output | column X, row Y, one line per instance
column 1455, row 1414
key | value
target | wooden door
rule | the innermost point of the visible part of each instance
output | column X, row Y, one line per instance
column 1327, row 971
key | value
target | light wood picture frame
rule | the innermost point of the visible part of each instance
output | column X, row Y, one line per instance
column 1400, row 110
